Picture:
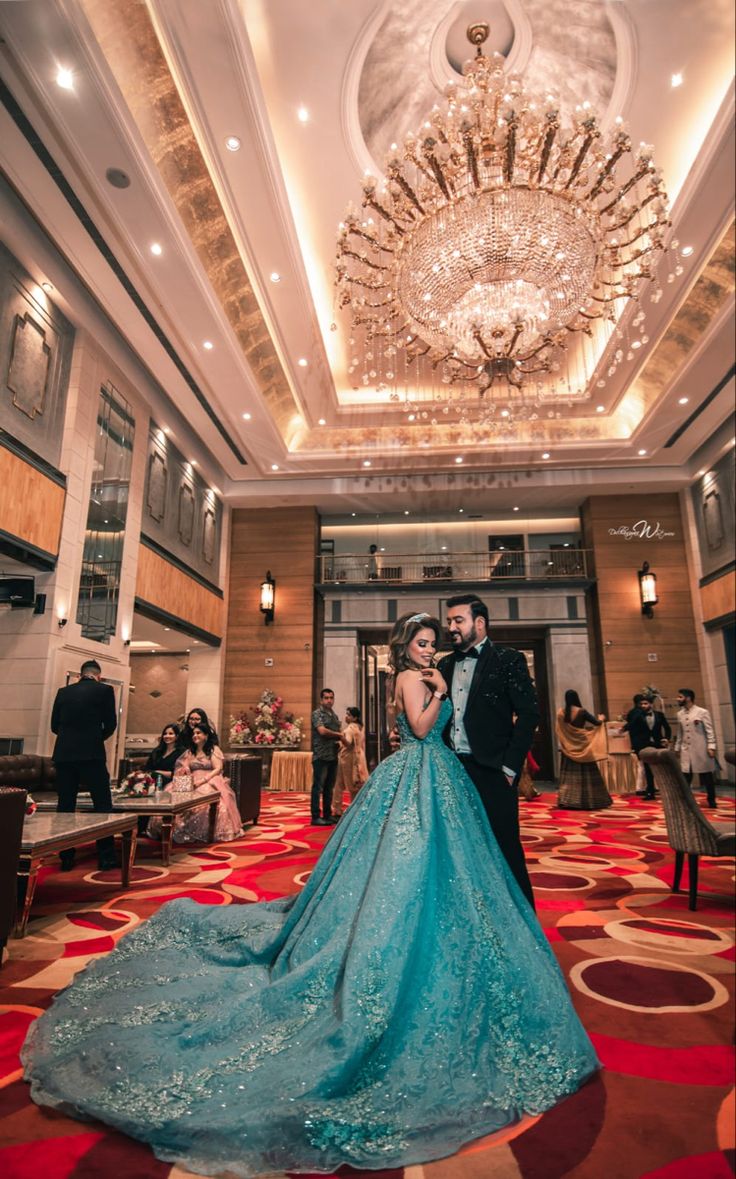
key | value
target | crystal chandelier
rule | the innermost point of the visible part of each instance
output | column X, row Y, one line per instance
column 499, row 235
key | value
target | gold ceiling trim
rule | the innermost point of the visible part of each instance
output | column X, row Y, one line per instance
column 713, row 288
column 128, row 40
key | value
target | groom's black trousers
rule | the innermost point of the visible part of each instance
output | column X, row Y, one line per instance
column 501, row 804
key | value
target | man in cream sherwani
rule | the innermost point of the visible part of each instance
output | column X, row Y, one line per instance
column 696, row 742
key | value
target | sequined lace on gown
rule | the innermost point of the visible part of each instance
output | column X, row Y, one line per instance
column 404, row 1002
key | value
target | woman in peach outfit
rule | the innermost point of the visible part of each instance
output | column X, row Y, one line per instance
column 352, row 770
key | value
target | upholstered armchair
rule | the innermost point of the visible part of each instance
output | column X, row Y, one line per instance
column 688, row 830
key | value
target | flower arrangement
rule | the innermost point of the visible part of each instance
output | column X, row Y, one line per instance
column 266, row 724
column 31, row 805
column 139, row 784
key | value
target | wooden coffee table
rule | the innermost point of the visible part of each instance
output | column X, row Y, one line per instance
column 45, row 835
column 165, row 805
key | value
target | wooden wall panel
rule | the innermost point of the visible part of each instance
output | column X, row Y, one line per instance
column 162, row 584
column 284, row 541
column 719, row 597
column 622, row 636
column 31, row 504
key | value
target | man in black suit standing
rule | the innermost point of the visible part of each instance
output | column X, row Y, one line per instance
column 647, row 729
column 83, row 717
column 495, row 713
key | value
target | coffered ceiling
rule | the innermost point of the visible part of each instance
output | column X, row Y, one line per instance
column 234, row 316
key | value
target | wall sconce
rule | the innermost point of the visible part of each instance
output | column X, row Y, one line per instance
column 647, row 590
column 62, row 623
column 268, row 598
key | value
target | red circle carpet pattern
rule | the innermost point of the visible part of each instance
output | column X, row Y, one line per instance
column 652, row 982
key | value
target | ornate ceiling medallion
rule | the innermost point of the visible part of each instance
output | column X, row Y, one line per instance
column 499, row 237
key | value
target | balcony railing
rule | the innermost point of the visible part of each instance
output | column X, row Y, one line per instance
column 530, row 565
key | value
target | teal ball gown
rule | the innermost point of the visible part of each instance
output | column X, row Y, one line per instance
column 405, row 1002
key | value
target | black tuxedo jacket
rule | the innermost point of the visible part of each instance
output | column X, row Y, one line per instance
column 501, row 689
column 83, row 717
column 642, row 737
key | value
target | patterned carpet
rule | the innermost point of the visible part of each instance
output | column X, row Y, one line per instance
column 653, row 984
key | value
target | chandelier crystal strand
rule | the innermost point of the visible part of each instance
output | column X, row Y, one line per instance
column 499, row 238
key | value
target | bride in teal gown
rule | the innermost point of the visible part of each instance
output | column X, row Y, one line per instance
column 404, row 1002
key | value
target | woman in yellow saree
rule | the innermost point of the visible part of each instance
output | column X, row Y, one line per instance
column 583, row 744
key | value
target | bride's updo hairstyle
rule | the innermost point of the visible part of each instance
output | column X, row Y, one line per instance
column 403, row 633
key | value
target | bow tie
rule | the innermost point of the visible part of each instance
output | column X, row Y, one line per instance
column 471, row 654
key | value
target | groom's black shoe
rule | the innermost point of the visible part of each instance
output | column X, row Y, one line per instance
column 67, row 860
column 106, row 863
column 320, row 823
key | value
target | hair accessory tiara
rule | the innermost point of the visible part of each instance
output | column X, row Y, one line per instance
column 418, row 617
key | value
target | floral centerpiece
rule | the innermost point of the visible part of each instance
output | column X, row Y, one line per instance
column 139, row 784
column 266, row 723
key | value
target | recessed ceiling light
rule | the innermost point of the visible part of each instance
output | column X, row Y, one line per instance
column 246, row 417
column 321, row 422
column 701, row 473
column 676, row 80
column 165, row 430
column 383, row 549
column 444, row 548
column 504, row 413
column 167, row 628
column 47, row 286
column 412, row 417
column 195, row 463
column 406, row 511
column 461, row 509
column 600, row 409
column 275, row 276
column 545, row 454
column 682, row 400
column 232, row 143
column 458, row 458
column 686, row 251
column 65, row 78
column 515, row 508
column 157, row 249
column 353, row 513
column 208, row 345
column 641, row 453
column 366, row 462
column 274, row 466
column 302, row 114
column 302, row 362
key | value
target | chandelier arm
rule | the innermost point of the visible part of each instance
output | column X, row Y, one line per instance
column 610, row 165
column 637, row 209
column 479, row 340
column 440, row 178
column 371, row 238
column 584, row 148
column 510, row 156
column 518, row 329
column 374, row 204
column 408, row 191
column 471, row 157
column 546, row 149
column 363, row 260
column 630, row 183
column 356, row 280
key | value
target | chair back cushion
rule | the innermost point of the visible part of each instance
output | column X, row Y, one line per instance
column 688, row 830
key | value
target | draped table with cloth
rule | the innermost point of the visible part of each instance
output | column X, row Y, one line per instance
column 291, row 771
column 621, row 768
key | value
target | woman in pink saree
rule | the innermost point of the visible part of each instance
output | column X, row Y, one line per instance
column 203, row 763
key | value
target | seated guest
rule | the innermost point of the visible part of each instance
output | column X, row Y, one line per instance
column 163, row 758
column 196, row 716
column 352, row 770
column 201, row 769
column 583, row 744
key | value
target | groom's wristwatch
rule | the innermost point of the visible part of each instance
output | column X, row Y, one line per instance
column 440, row 695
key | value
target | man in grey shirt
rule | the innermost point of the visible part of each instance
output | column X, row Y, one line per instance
column 326, row 737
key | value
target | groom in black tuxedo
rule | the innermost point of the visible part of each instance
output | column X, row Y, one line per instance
column 495, row 713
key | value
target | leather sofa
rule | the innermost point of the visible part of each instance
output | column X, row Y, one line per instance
column 12, row 813
column 31, row 771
